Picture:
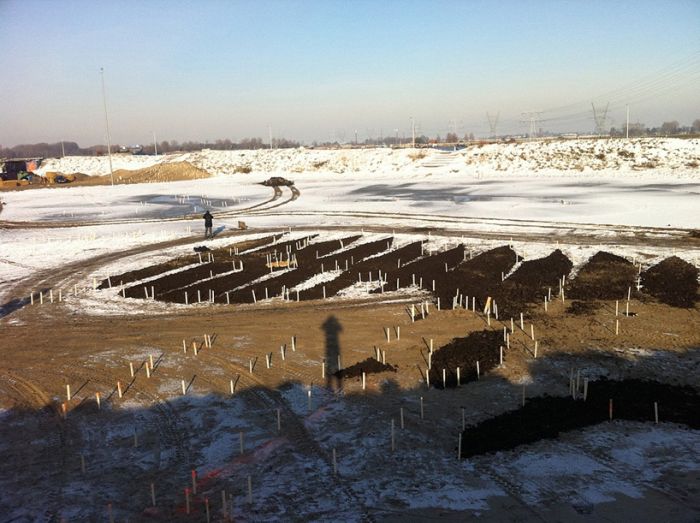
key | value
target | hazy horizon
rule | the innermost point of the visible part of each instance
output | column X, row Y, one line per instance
column 323, row 70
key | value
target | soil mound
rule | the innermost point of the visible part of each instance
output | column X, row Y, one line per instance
column 546, row 417
column 605, row 277
column 531, row 282
column 368, row 366
column 482, row 346
column 162, row 172
column 672, row 281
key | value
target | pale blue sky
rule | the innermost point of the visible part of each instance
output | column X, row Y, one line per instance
column 214, row 69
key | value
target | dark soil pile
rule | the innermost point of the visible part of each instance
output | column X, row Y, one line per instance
column 427, row 268
column 479, row 277
column 203, row 277
column 183, row 261
column 672, row 281
column 531, row 282
column 546, row 417
column 604, row 277
column 482, row 346
column 309, row 265
column 368, row 366
column 363, row 268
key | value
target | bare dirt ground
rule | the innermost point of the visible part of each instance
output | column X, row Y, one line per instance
column 94, row 462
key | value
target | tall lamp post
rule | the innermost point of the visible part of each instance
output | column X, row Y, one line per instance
column 109, row 144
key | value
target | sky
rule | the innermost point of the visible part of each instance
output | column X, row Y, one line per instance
column 320, row 70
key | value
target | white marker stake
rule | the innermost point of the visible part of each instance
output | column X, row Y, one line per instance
column 119, row 389
column 427, row 378
column 532, row 332
column 148, row 371
column 364, row 382
column 68, row 392
column 279, row 421
column 267, row 360
column 184, row 388
column 398, row 332
column 31, row 298
column 444, row 379
column 459, row 379
column 97, row 400
column 184, row 346
column 535, row 349
column 477, row 369
column 500, row 361
column 421, row 407
column 150, row 360
column 617, row 327
column 617, row 307
column 323, row 369
column 384, row 357
column 294, row 343
column 522, row 324
column 282, row 351
column 51, row 295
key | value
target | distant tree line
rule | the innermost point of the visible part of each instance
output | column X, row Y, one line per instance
column 58, row 149
column 672, row 128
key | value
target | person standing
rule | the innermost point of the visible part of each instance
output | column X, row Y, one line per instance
column 208, row 224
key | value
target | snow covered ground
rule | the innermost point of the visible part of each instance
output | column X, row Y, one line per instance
column 512, row 188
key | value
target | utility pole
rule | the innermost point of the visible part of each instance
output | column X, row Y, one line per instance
column 63, row 150
column 109, row 140
column 627, row 132
column 600, row 118
column 493, row 123
column 531, row 117
column 155, row 143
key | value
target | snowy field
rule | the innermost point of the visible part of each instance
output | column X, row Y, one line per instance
column 506, row 188
column 539, row 194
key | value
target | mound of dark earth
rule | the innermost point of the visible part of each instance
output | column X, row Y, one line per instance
column 604, row 277
column 482, row 346
column 672, row 281
column 368, row 366
column 546, row 417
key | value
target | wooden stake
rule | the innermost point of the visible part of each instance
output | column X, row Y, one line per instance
column 279, row 421
column 240, row 438
column 656, row 412
column 585, row 389
column 421, row 407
